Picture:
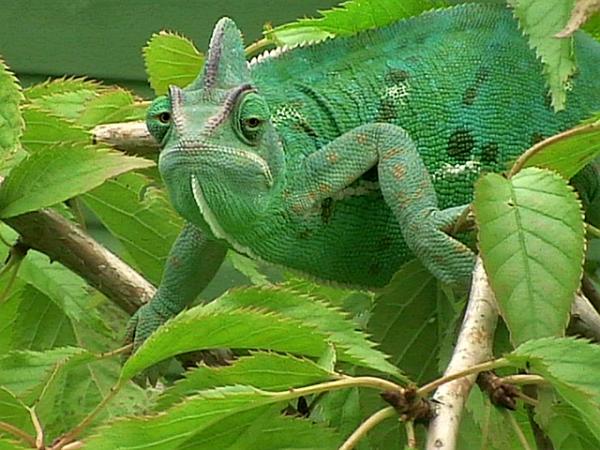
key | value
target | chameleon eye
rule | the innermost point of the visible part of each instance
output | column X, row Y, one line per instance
column 251, row 116
column 164, row 117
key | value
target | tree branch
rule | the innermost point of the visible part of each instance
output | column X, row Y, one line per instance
column 52, row 234
column 474, row 345
column 585, row 320
column 130, row 137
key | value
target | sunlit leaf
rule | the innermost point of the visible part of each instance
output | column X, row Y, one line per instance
column 11, row 122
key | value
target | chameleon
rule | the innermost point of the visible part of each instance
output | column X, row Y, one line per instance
column 346, row 158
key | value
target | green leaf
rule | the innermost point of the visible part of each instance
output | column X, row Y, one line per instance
column 14, row 411
column 351, row 345
column 571, row 366
column 67, row 105
column 11, row 122
column 409, row 320
column 26, row 315
column 24, row 373
column 541, row 21
column 340, row 410
column 43, row 129
column 59, row 86
column 268, row 371
column 199, row 328
column 8, row 444
column 171, row 59
column 349, row 18
column 531, row 238
column 566, row 429
column 115, row 105
column 265, row 428
column 56, row 174
column 566, row 153
column 179, row 426
column 140, row 216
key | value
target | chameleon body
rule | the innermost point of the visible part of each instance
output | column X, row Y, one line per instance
column 347, row 158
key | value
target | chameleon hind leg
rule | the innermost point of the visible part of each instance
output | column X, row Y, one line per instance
column 407, row 189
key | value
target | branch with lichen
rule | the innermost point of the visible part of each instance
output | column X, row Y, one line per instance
column 474, row 346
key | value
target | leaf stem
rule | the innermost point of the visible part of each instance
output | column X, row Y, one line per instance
column 367, row 426
column 345, row 382
column 71, row 435
column 411, row 438
column 518, row 431
column 521, row 379
column 591, row 229
column 483, row 367
column 39, row 430
column 258, row 46
column 15, row 431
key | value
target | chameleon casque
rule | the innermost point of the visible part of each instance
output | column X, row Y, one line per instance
column 347, row 158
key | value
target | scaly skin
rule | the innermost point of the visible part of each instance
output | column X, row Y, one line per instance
column 345, row 159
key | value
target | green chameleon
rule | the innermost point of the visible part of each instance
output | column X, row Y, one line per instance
column 347, row 158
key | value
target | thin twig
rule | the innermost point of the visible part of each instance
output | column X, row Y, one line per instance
column 473, row 346
column 17, row 432
column 367, row 426
column 585, row 320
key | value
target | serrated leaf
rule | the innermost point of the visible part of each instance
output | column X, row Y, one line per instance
column 409, row 321
column 571, row 366
column 350, row 345
column 60, row 86
column 24, row 373
column 531, row 238
column 11, row 122
column 178, row 426
column 340, row 410
column 349, row 18
column 171, row 59
column 115, row 105
column 566, row 153
column 264, row 428
column 140, row 216
column 541, row 21
column 268, row 371
column 56, row 174
column 68, row 105
column 199, row 328
column 44, row 129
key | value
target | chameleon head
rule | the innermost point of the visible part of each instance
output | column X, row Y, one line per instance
column 221, row 157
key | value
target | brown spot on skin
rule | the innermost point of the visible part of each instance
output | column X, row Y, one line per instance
column 399, row 171
column 297, row 208
column 324, row 188
column 175, row 261
column 396, row 76
column 489, row 153
column 469, row 96
column 391, row 153
column 332, row 158
column 327, row 210
column 460, row 144
column 362, row 138
column 304, row 233
column 536, row 137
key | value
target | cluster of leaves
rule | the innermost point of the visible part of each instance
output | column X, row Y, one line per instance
column 304, row 348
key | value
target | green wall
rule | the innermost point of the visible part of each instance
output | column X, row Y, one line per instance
column 103, row 38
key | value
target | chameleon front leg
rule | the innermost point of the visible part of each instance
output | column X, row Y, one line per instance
column 407, row 189
column 192, row 263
